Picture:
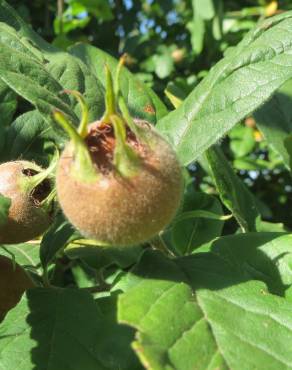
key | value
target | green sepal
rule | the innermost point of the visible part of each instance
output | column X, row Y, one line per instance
column 126, row 115
column 46, row 204
column 28, row 183
column 82, row 169
column 126, row 161
column 122, row 103
column 110, row 98
column 83, row 126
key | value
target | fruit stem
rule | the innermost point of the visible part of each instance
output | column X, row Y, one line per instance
column 82, row 129
column 83, row 166
column 110, row 100
column 126, row 160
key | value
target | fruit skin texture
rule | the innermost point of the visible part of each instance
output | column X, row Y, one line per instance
column 13, row 282
column 121, row 211
column 26, row 218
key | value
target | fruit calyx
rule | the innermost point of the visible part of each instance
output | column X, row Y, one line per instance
column 113, row 145
column 101, row 143
column 38, row 183
column 40, row 192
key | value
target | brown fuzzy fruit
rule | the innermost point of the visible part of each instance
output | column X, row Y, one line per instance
column 115, row 209
column 13, row 282
column 27, row 218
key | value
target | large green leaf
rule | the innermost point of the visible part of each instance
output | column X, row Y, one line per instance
column 64, row 329
column 234, row 88
column 10, row 37
column 56, row 238
column 31, row 80
column 70, row 72
column 189, row 233
column 27, row 137
column 98, row 257
column 29, row 38
column 142, row 101
column 263, row 256
column 26, row 254
column 41, row 84
column 274, row 119
column 7, row 104
column 233, row 192
column 200, row 312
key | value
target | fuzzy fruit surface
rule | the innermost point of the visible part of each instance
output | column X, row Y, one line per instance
column 26, row 218
column 13, row 282
column 117, row 210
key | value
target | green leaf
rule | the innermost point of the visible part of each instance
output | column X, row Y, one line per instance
column 56, row 238
column 242, row 140
column 7, row 104
column 115, row 339
column 234, row 88
column 274, row 119
column 10, row 37
column 41, row 85
column 250, row 164
column 31, row 80
column 265, row 226
column 205, row 8
column 64, row 329
column 189, row 233
column 142, row 101
column 233, row 192
column 264, row 256
column 73, row 74
column 163, row 65
column 217, row 22
column 9, row 16
column 197, row 31
column 4, row 209
column 69, row 71
column 27, row 136
column 25, row 254
column 200, row 313
column 99, row 257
